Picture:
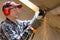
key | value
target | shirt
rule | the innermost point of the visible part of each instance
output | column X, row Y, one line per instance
column 11, row 31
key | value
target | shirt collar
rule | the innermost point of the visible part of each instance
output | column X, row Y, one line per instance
column 9, row 21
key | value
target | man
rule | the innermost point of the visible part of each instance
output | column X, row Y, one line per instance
column 12, row 28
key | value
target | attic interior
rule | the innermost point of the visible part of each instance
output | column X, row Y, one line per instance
column 49, row 29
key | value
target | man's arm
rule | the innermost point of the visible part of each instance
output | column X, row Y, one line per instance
column 39, row 13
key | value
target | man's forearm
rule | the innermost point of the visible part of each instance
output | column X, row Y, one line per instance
column 39, row 13
column 35, row 17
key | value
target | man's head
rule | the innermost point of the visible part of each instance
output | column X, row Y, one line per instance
column 10, row 9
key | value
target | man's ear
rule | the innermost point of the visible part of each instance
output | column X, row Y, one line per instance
column 6, row 11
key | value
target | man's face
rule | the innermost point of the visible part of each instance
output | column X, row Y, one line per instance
column 14, row 13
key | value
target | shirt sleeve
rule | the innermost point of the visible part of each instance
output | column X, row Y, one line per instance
column 29, row 22
column 34, row 17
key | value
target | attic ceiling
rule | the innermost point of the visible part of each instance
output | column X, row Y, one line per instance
column 53, row 16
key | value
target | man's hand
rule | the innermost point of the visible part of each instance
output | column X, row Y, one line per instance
column 33, row 29
column 42, row 13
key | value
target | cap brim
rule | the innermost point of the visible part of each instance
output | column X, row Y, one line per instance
column 19, row 6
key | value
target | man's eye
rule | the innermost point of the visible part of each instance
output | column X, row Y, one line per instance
column 11, row 8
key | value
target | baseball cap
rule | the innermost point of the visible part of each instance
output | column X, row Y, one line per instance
column 13, row 4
